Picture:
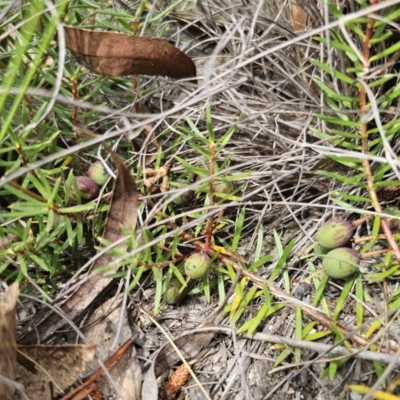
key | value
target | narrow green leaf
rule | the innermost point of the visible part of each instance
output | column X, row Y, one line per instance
column 359, row 302
column 320, row 289
column 202, row 151
column 317, row 336
column 385, row 52
column 337, row 121
column 344, row 294
column 197, row 170
column 282, row 260
column 209, row 124
column 261, row 261
column 337, row 74
column 224, row 140
column 238, row 229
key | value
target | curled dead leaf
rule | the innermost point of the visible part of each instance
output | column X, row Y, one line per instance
column 119, row 54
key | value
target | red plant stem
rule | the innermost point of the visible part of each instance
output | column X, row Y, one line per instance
column 364, row 135
column 365, row 148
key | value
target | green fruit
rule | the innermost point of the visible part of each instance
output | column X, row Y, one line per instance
column 222, row 187
column 87, row 188
column 98, row 173
column 186, row 195
column 334, row 234
column 341, row 263
column 174, row 294
column 197, row 265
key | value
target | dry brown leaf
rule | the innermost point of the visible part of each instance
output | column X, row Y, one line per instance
column 119, row 54
column 299, row 17
column 189, row 346
column 57, row 366
column 8, row 304
column 91, row 383
column 103, row 326
column 122, row 213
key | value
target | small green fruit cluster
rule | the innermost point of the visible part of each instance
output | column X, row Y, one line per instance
column 197, row 265
column 88, row 186
column 338, row 259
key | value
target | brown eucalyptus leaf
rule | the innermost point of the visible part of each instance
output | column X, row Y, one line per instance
column 118, row 54
column 57, row 368
column 122, row 213
column 8, row 304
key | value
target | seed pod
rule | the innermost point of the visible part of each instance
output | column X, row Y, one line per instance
column 87, row 188
column 197, row 265
column 335, row 233
column 98, row 173
column 173, row 294
column 341, row 263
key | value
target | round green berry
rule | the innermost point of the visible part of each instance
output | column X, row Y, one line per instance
column 98, row 173
column 341, row 263
column 197, row 265
column 334, row 233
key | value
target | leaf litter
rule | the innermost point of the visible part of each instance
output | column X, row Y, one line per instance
column 285, row 183
column 55, row 367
